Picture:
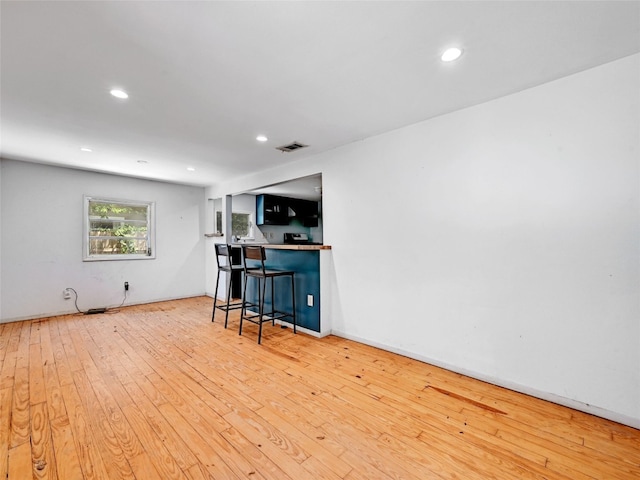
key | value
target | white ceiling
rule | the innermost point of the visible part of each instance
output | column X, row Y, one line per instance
column 308, row 188
column 205, row 78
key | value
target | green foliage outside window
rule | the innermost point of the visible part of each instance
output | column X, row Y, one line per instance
column 116, row 229
column 240, row 224
column 106, row 210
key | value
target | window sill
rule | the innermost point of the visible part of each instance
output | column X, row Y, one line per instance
column 111, row 258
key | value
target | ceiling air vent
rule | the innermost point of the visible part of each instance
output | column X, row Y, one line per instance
column 291, row 147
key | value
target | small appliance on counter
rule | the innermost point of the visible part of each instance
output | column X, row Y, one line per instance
column 298, row 239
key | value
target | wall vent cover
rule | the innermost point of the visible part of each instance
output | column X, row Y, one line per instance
column 291, row 147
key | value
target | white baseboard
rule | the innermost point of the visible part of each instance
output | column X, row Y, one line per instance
column 37, row 316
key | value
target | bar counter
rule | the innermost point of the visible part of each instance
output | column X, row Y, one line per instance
column 307, row 263
column 275, row 246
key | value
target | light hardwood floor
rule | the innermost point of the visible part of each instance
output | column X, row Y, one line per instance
column 159, row 392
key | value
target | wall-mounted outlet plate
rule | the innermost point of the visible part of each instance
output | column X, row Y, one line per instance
column 309, row 300
column 66, row 294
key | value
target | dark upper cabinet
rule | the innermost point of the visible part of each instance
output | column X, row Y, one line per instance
column 275, row 210
column 306, row 211
column 272, row 210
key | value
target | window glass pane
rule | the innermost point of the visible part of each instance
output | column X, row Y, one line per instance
column 115, row 228
column 240, row 224
column 218, row 222
column 112, row 246
column 116, row 210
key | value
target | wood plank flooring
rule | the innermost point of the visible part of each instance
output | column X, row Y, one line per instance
column 159, row 392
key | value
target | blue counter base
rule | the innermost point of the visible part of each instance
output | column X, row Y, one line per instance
column 306, row 265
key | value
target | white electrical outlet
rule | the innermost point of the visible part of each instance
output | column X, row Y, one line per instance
column 310, row 300
column 66, row 294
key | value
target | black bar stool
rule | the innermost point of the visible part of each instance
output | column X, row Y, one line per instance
column 256, row 256
column 226, row 265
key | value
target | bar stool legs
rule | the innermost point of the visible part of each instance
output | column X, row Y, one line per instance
column 262, row 316
column 227, row 305
column 226, row 265
column 293, row 303
column 257, row 254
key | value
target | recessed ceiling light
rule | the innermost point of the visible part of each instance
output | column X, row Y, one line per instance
column 451, row 54
column 85, row 149
column 116, row 92
column 261, row 138
column 191, row 169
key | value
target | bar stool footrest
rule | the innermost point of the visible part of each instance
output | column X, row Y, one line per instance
column 268, row 317
column 231, row 306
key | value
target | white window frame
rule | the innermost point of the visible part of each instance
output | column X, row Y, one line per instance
column 151, row 231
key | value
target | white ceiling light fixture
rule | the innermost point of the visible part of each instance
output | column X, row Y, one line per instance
column 85, row 149
column 118, row 93
column 261, row 138
column 451, row 54
column 191, row 169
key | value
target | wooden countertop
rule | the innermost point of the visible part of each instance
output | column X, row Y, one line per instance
column 297, row 247
column 274, row 246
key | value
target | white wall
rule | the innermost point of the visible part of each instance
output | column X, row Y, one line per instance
column 41, row 242
column 499, row 241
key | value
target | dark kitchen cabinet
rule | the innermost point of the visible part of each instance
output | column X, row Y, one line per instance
column 275, row 210
column 272, row 210
column 306, row 211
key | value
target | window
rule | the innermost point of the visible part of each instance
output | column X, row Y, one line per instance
column 240, row 224
column 118, row 230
